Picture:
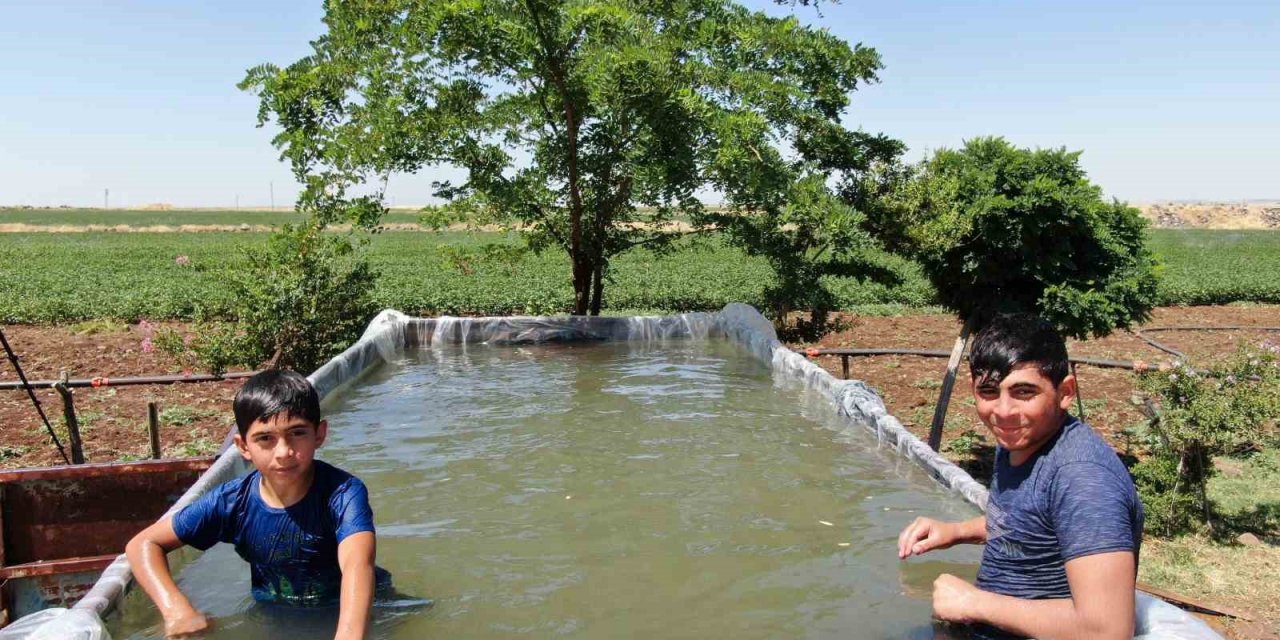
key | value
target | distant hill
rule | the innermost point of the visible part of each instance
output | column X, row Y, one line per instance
column 1241, row 214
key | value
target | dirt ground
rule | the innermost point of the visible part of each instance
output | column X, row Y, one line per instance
column 195, row 418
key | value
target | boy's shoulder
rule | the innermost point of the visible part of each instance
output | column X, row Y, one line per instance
column 330, row 481
column 1080, row 452
column 1080, row 443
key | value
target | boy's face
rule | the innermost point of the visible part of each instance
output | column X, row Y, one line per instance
column 283, row 446
column 1024, row 409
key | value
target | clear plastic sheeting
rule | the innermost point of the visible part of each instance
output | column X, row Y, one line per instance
column 57, row 624
column 1159, row 620
column 392, row 332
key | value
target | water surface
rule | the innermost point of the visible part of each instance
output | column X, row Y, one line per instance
column 611, row 490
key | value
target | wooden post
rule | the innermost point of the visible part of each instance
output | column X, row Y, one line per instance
column 69, row 414
column 844, row 365
column 948, row 382
column 1079, row 398
column 153, row 428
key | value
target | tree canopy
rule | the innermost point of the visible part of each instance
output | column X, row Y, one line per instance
column 592, row 126
column 999, row 228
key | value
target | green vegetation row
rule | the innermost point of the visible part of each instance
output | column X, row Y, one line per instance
column 172, row 217
column 48, row 278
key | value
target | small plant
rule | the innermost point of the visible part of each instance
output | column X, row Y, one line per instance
column 183, row 415
column 197, row 448
column 927, row 383
column 98, row 326
column 968, row 442
column 1204, row 413
column 8, row 451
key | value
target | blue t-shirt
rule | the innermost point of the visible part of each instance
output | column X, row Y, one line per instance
column 292, row 552
column 1072, row 498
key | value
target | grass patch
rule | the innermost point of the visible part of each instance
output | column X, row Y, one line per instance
column 1218, row 569
column 98, row 326
column 8, row 452
column 197, row 448
column 183, row 415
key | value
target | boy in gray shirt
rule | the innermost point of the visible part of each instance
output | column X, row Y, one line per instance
column 1064, row 523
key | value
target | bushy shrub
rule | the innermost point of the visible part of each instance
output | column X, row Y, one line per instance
column 998, row 228
column 1204, row 413
column 305, row 297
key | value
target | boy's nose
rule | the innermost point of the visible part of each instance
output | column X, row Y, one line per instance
column 1005, row 408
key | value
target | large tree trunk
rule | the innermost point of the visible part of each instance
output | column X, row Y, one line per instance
column 597, row 289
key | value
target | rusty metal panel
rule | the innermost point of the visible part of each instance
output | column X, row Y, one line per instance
column 87, row 510
column 29, row 595
column 52, row 567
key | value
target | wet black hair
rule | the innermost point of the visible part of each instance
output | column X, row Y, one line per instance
column 272, row 392
column 1013, row 339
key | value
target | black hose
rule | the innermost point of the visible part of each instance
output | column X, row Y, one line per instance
column 929, row 353
column 1170, row 350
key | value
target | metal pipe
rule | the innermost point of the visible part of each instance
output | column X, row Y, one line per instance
column 124, row 382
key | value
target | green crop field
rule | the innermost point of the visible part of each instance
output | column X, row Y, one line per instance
column 173, row 217
column 1205, row 266
column 60, row 277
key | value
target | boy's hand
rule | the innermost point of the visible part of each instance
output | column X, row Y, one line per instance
column 186, row 624
column 955, row 600
column 925, row 534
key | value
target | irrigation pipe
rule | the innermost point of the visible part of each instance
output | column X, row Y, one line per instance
column 125, row 382
column 930, row 353
column 1170, row 350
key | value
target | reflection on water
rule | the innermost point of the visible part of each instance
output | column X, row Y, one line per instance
column 611, row 490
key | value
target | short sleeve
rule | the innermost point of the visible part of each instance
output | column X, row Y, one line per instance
column 201, row 524
column 1092, row 510
column 351, row 510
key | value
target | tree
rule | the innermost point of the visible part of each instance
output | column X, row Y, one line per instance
column 1003, row 229
column 806, row 214
column 590, row 126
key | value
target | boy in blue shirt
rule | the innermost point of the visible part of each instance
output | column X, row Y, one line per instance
column 304, row 526
column 1064, row 523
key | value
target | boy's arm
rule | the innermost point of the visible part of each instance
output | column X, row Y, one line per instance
column 1101, row 603
column 927, row 534
column 148, row 557
column 356, row 553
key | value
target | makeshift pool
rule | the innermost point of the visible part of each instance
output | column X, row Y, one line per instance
column 671, row 490
column 658, row 489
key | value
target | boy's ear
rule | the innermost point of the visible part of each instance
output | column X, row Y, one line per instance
column 1067, row 392
column 242, row 446
column 322, row 431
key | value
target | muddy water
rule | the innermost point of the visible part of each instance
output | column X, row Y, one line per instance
column 606, row 491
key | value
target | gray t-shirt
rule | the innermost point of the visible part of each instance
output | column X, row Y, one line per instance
column 1072, row 498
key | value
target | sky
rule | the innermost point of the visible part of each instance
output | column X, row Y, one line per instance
column 1168, row 100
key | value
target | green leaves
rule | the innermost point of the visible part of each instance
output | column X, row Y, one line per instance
column 1205, row 412
column 999, row 228
column 586, row 124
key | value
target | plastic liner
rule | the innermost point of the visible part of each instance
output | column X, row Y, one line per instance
column 391, row 333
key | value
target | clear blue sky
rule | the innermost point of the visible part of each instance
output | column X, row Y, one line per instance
column 1168, row 100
